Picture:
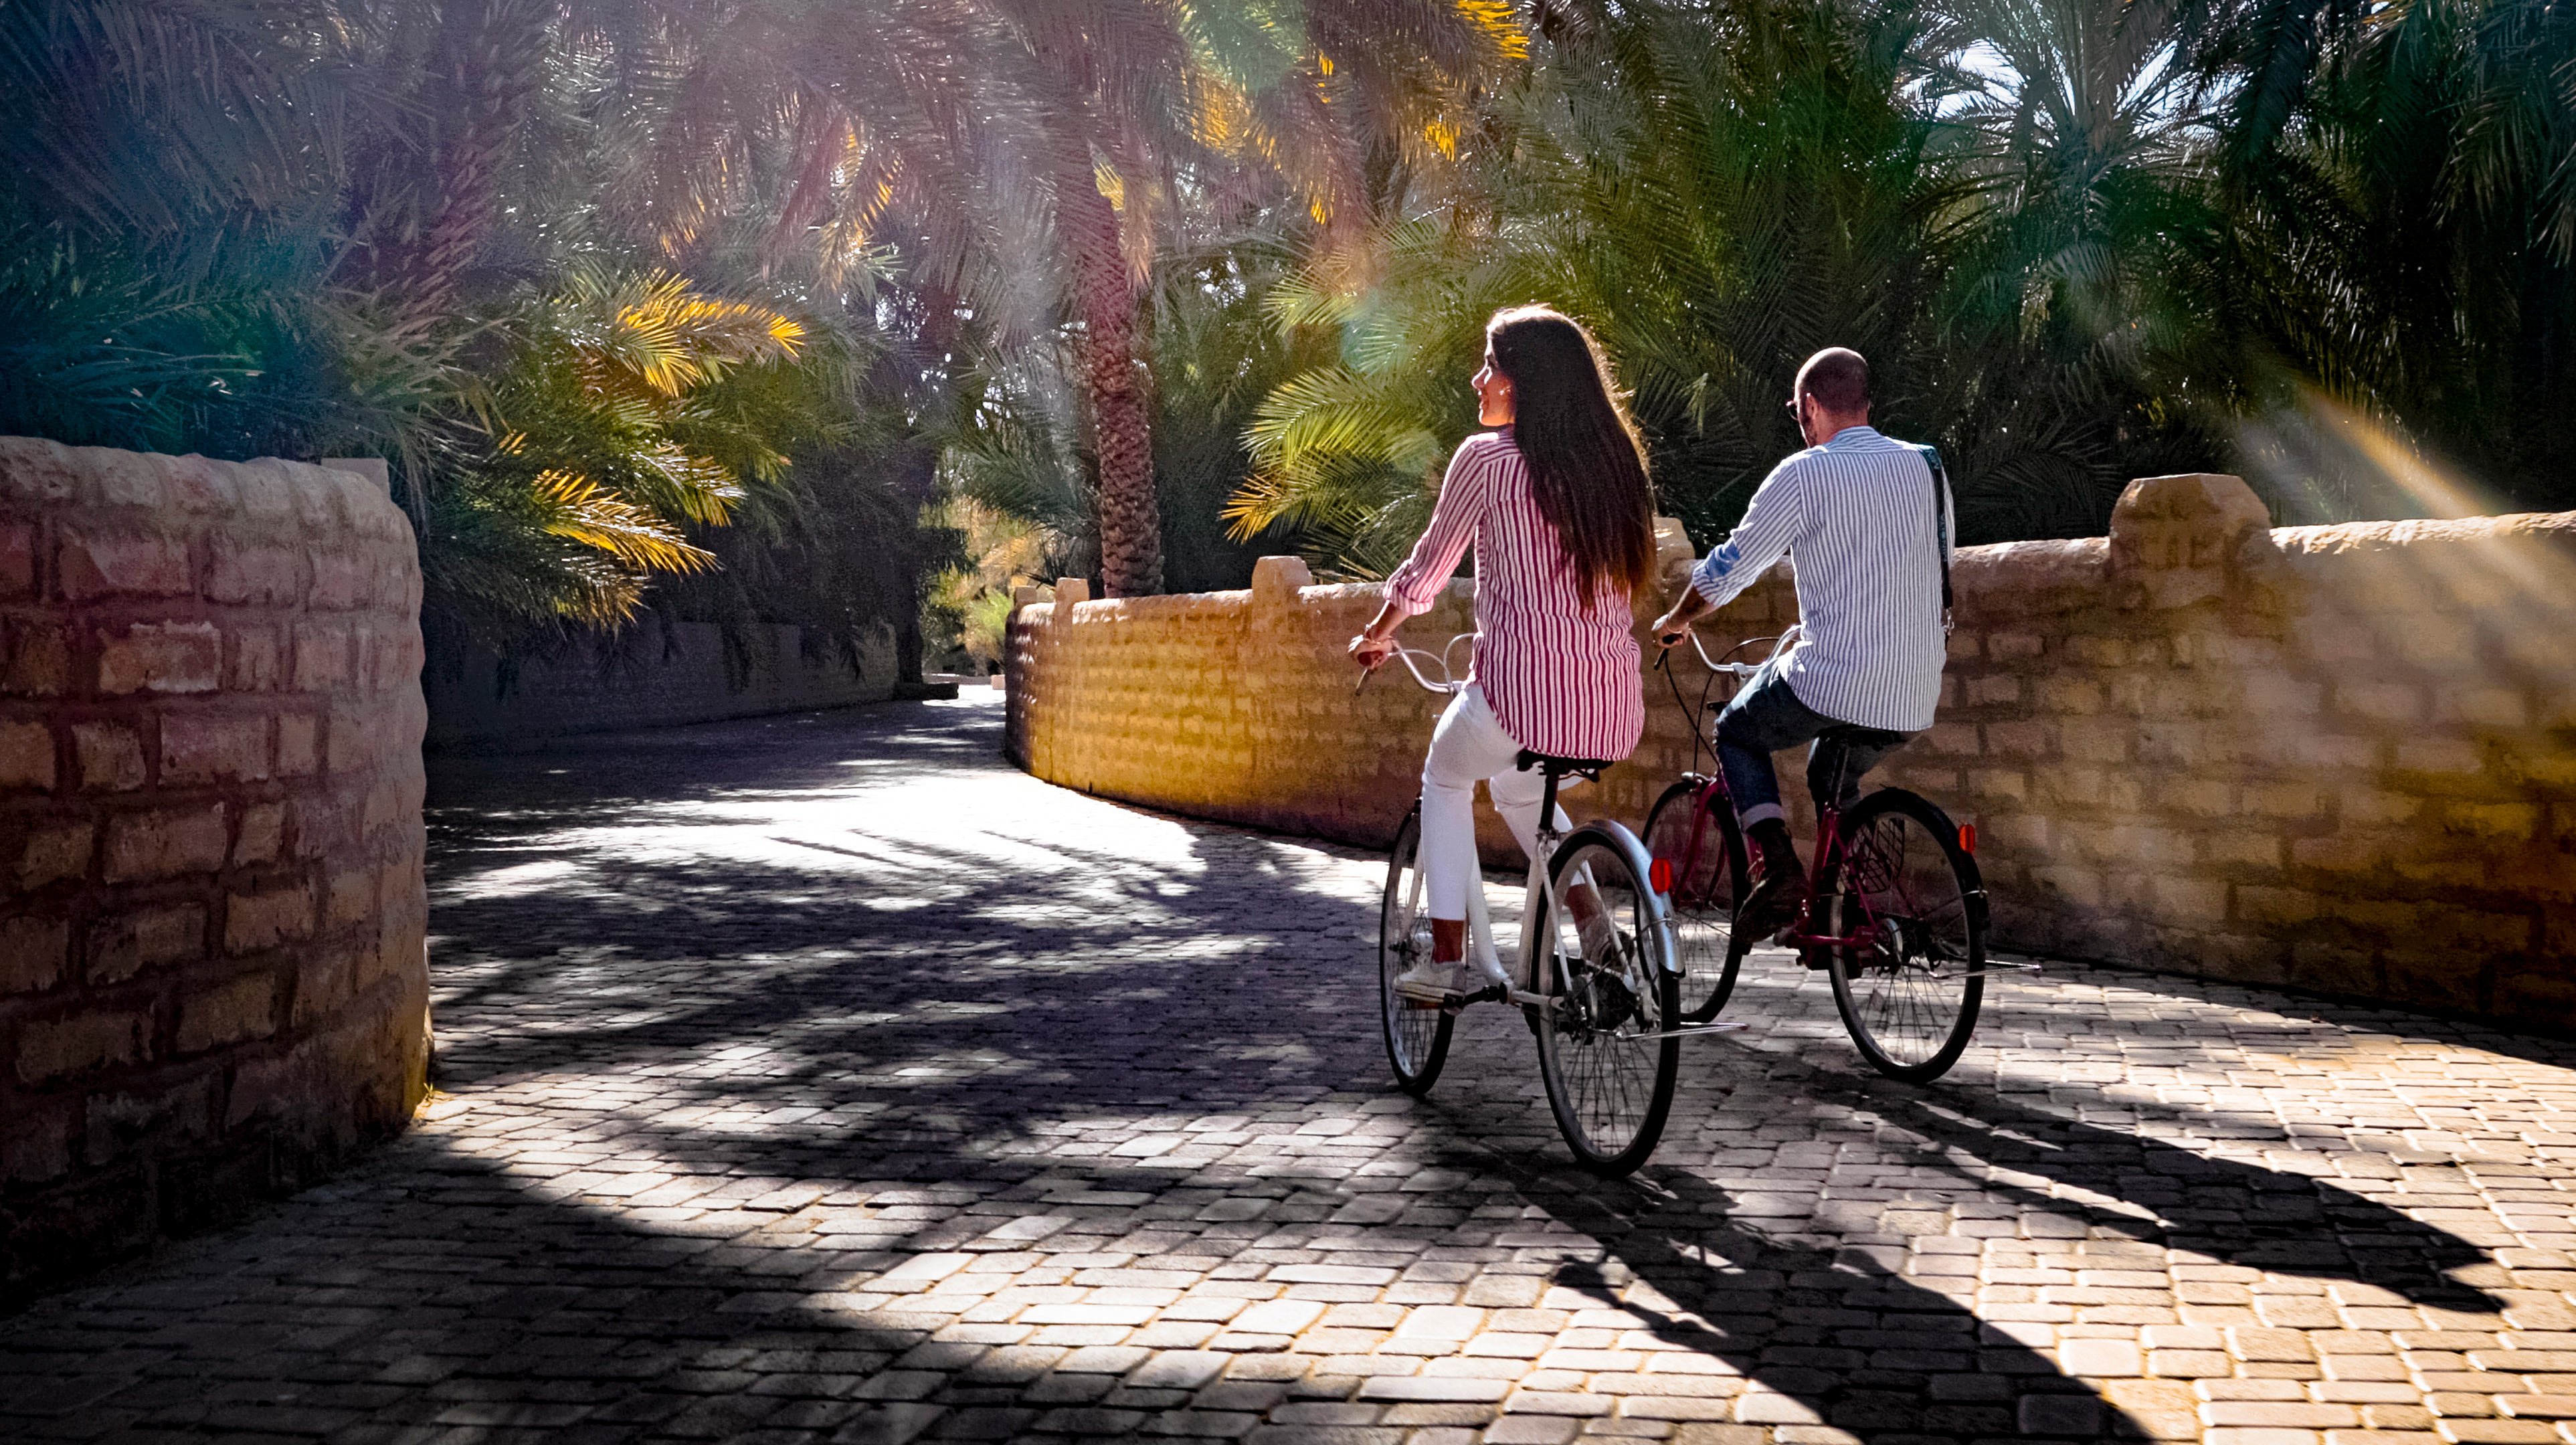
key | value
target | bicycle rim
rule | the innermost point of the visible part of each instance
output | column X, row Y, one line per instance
column 1609, row 1084
column 1910, row 998
column 1417, row 1039
column 1703, row 895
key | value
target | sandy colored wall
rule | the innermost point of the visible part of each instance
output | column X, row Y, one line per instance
column 2337, row 758
column 212, row 982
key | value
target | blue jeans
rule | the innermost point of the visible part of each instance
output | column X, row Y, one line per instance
column 1766, row 717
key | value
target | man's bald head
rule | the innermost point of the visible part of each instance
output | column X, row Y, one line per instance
column 1838, row 379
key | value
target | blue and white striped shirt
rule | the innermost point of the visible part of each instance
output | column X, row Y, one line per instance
column 1854, row 517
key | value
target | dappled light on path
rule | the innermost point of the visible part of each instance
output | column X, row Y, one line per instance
column 822, row 1078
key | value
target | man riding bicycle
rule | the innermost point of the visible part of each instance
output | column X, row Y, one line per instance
column 1866, row 522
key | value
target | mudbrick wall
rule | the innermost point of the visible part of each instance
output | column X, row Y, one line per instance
column 2340, row 758
column 655, row 675
column 212, row 981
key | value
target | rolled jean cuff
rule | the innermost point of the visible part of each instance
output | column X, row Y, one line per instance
column 1761, row 813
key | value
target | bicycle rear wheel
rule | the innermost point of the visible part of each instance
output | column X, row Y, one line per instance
column 1417, row 1039
column 1910, row 995
column 1693, row 830
column 1609, row 1077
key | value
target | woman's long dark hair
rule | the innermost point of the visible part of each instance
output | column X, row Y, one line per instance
column 1587, row 466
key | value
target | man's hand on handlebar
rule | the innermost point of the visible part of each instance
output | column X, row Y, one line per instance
column 1675, row 624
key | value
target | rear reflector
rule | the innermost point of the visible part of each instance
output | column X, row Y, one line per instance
column 1661, row 875
column 1968, row 839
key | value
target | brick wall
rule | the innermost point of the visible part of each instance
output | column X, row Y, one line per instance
column 656, row 675
column 212, row 982
column 2335, row 758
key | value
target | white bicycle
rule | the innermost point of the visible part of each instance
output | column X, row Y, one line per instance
column 1606, row 1012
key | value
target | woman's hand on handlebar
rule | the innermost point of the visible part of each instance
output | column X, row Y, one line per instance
column 1376, row 642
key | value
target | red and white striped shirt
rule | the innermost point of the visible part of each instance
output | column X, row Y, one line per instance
column 1561, row 678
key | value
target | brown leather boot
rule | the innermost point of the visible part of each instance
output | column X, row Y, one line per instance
column 1780, row 883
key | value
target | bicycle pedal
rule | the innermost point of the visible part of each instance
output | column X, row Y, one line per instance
column 1490, row 993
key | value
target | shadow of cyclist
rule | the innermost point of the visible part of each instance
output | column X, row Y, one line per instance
column 2126, row 1184
column 1822, row 1314
column 1822, row 1333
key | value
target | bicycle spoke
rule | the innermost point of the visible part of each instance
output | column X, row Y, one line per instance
column 1608, row 1076
column 1684, row 833
column 1417, row 1039
column 1909, row 992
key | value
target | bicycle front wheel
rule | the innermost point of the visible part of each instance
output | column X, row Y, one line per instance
column 1417, row 1039
column 1605, row 1046
column 1909, row 991
column 1692, row 840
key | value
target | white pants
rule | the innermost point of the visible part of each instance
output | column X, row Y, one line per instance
column 1469, row 745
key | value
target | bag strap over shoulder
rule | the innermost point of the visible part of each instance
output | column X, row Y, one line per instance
column 1940, row 523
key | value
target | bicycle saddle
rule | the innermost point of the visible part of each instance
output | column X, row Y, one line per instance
column 1854, row 735
column 1580, row 767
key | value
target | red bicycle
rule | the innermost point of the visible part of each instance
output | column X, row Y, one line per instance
column 1895, row 914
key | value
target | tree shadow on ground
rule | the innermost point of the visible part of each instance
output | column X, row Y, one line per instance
column 710, row 1101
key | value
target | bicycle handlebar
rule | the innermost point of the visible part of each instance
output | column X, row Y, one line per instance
column 1448, row 682
column 1729, row 669
column 1448, row 685
column 1732, row 669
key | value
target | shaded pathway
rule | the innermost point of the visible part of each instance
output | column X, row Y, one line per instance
column 822, row 1078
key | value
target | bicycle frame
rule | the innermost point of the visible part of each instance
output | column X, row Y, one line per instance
column 1829, row 844
column 1828, row 850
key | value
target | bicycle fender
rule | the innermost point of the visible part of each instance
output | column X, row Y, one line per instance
column 1974, row 893
column 1614, row 836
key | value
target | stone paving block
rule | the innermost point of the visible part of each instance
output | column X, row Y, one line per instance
column 1421, row 1388
column 1178, row 1370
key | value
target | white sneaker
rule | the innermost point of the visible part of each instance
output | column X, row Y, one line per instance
column 1430, row 983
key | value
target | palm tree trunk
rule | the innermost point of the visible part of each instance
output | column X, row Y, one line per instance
column 916, row 481
column 1131, row 524
column 479, row 82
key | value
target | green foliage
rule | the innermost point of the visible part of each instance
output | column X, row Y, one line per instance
column 2402, row 243
column 1721, row 190
column 653, row 304
column 218, row 242
column 1216, row 358
column 162, row 218
column 2080, row 240
column 601, row 429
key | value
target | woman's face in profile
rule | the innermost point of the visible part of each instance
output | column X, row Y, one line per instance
column 1493, row 392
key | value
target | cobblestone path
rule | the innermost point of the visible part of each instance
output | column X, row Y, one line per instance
column 823, row 1078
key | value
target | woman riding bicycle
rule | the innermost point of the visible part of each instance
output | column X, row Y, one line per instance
column 1558, row 507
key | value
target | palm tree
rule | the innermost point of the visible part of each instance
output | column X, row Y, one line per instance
column 2401, row 230
column 172, row 165
column 1718, row 190
column 1144, row 107
column 2072, row 337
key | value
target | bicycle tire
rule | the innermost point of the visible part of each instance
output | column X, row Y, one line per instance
column 1609, row 1089
column 1703, row 896
column 1910, row 1000
column 1417, row 1039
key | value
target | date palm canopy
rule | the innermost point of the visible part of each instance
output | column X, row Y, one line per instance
column 775, row 309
